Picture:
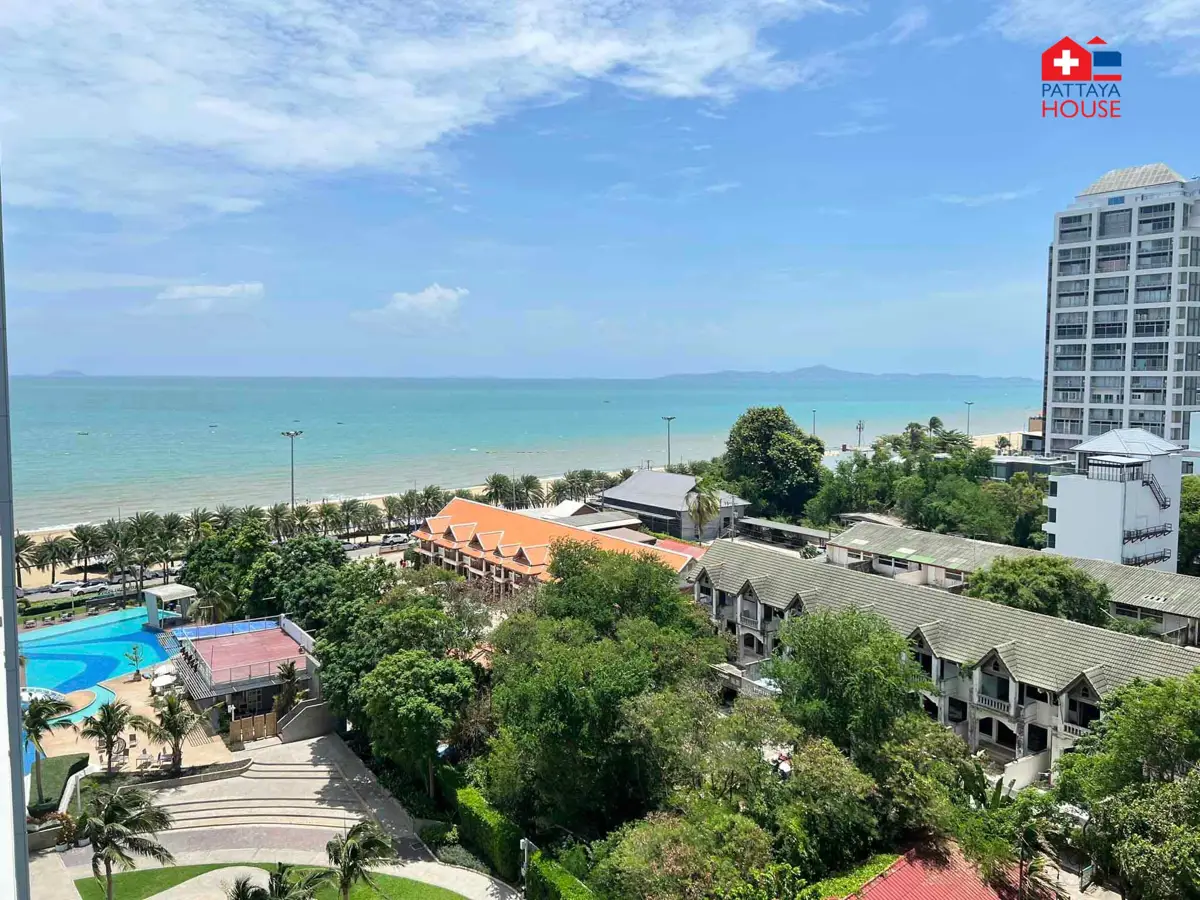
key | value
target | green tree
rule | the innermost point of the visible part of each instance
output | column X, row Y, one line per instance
column 370, row 520
column 1189, row 526
column 412, row 700
column 349, row 512
column 352, row 855
column 845, row 676
column 120, row 826
column 173, row 722
column 290, row 692
column 280, row 521
column 498, row 490
column 1047, row 584
column 530, row 492
column 394, row 510
column 89, row 543
column 54, row 552
column 772, row 462
column 703, row 505
column 331, row 518
column 41, row 716
column 199, row 523
column 136, row 656
column 107, row 727
column 304, row 520
column 285, row 882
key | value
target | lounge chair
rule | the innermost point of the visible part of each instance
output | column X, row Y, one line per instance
column 31, row 623
column 165, row 760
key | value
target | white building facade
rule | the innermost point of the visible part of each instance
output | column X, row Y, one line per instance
column 1121, row 503
column 1123, row 309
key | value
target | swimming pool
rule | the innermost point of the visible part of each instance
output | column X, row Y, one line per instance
column 79, row 655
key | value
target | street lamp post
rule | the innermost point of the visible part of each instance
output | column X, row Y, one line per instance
column 814, row 430
column 969, row 403
column 291, row 436
column 668, row 420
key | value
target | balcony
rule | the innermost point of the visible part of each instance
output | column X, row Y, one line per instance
column 992, row 703
column 1145, row 534
column 1147, row 559
column 1073, row 730
column 749, row 618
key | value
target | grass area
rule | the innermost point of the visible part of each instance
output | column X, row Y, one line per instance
column 147, row 883
column 55, row 772
column 849, row 882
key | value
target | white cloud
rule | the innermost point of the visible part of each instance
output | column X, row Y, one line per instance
column 434, row 302
column 201, row 299
column 722, row 187
column 985, row 199
column 851, row 129
column 176, row 106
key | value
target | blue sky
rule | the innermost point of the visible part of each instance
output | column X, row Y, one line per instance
column 554, row 187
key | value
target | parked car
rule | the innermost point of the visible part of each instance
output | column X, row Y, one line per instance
column 20, row 593
column 96, row 587
column 394, row 540
column 349, row 545
column 60, row 586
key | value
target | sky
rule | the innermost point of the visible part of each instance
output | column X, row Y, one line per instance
column 554, row 188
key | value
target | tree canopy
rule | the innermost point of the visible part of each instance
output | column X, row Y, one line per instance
column 1047, row 584
column 771, row 462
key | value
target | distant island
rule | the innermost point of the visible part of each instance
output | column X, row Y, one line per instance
column 66, row 373
column 828, row 375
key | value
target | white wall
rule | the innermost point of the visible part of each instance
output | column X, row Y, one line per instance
column 1025, row 771
column 1089, row 514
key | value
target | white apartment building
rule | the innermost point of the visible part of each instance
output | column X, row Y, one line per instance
column 1123, row 309
column 1121, row 503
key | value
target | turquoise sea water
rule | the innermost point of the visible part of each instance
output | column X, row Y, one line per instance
column 79, row 655
column 87, row 448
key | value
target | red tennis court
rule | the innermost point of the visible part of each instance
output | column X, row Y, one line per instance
column 253, row 654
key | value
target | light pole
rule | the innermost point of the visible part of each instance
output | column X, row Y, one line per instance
column 668, row 420
column 969, row 403
column 814, row 430
column 291, row 436
column 859, row 428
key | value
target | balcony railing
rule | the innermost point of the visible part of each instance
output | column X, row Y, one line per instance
column 749, row 618
column 1144, row 534
column 1147, row 559
column 1073, row 730
column 992, row 702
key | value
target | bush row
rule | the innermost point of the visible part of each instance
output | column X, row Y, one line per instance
column 547, row 880
column 486, row 830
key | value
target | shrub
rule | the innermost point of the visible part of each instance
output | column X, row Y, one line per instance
column 458, row 855
column 55, row 772
column 487, row 831
column 547, row 880
column 439, row 834
column 448, row 780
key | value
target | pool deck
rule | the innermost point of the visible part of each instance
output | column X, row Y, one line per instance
column 200, row 748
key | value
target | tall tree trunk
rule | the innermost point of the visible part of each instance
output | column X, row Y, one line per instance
column 108, row 879
column 177, row 757
column 85, row 569
column 430, row 769
column 37, row 769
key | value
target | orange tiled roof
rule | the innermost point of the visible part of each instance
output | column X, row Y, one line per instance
column 518, row 542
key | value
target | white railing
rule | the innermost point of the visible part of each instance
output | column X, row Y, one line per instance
column 1073, row 730
column 992, row 703
column 231, row 676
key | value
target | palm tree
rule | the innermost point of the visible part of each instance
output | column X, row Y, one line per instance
column 704, row 505
column 89, row 543
column 23, row 550
column 935, row 425
column 120, row 551
column 393, row 510
column 283, row 885
column 351, row 856
column 559, row 491
column 251, row 513
column 221, row 595
column 136, row 657
column 279, row 521
column 915, row 432
column 173, row 531
column 199, row 522
column 410, row 505
column 304, row 520
column 579, row 483
column 54, row 552
column 290, row 692
column 330, row 515
column 225, row 517
column 530, row 491
column 173, row 721
column 120, row 826
column 348, row 513
column 625, row 474
column 1003, row 443
column 433, row 498
column 498, row 490
column 370, row 520
column 107, row 725
column 40, row 718
column 245, row 889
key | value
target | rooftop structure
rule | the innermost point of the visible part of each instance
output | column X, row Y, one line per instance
column 1171, row 601
column 660, row 499
column 1123, row 268
column 605, row 520
column 929, row 876
column 1022, row 685
column 506, row 549
column 784, row 533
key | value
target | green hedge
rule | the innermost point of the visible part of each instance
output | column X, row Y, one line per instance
column 55, row 772
column 484, row 829
column 547, row 880
column 449, row 780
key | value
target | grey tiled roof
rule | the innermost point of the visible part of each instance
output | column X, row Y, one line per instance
column 784, row 526
column 1044, row 651
column 1121, row 441
column 660, row 490
column 1163, row 591
column 588, row 520
column 951, row 551
column 1134, row 177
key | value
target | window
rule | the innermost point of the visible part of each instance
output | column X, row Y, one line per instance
column 1148, row 390
column 1072, row 292
column 1191, row 391
column 1116, row 223
column 1155, row 219
column 1052, row 514
column 1072, row 325
column 1155, row 322
column 1074, row 261
column 1150, row 357
column 1152, row 288
column 1191, row 357
column 1112, row 257
column 1053, row 487
column 1116, row 201
column 1067, row 389
column 1112, row 291
column 1030, row 694
column 1073, row 229
column 1108, row 389
column 1107, row 323
column 1051, row 539
column 1124, row 609
column 1068, row 357
column 1109, row 357
column 1189, row 284
column 1101, row 420
column 1155, row 254
column 1066, row 419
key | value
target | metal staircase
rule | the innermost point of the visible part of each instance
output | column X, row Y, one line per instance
column 1156, row 489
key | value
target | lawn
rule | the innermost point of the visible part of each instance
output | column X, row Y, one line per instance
column 849, row 882
column 55, row 772
column 147, row 883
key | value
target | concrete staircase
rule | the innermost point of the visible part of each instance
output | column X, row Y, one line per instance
column 282, row 794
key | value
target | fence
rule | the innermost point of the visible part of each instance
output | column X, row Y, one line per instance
column 225, row 629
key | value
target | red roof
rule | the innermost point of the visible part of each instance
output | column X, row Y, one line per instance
column 680, row 547
column 930, row 876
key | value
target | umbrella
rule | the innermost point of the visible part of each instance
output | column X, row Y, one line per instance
column 162, row 681
column 165, row 669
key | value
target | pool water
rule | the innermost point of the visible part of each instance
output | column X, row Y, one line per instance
column 79, row 655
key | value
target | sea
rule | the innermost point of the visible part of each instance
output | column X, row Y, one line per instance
column 86, row 449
